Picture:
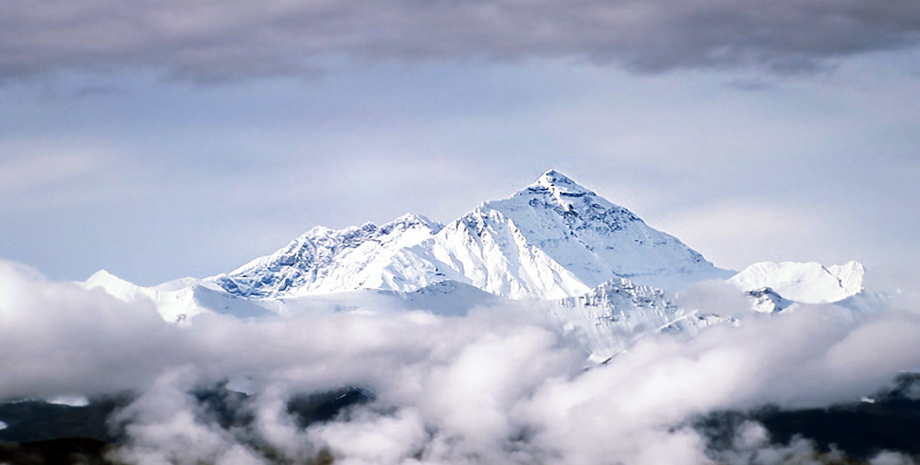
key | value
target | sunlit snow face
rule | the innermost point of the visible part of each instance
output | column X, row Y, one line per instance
column 497, row 386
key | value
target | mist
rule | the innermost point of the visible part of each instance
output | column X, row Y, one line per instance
column 502, row 384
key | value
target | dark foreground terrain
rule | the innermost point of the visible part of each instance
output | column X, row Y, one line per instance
column 40, row 433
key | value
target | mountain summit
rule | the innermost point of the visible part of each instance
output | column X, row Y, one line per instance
column 552, row 239
column 559, row 185
column 557, row 239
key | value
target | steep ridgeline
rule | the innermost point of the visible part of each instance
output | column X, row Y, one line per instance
column 553, row 239
column 324, row 261
column 557, row 239
column 616, row 314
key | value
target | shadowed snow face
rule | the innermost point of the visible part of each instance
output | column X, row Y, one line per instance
column 497, row 386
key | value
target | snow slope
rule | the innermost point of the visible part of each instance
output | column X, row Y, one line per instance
column 557, row 239
column 174, row 301
column 606, row 320
column 446, row 298
column 618, row 313
column 766, row 300
column 551, row 240
column 809, row 282
column 324, row 261
column 180, row 300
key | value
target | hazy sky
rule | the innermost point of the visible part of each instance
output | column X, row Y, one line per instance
column 182, row 138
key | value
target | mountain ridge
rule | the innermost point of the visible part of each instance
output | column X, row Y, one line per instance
column 596, row 269
column 552, row 239
column 809, row 282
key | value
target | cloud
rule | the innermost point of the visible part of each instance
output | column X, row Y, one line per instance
column 56, row 338
column 210, row 40
column 501, row 385
column 165, row 425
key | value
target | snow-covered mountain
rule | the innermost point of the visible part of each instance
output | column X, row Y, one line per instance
column 445, row 298
column 766, row 300
column 324, row 261
column 616, row 314
column 600, row 272
column 551, row 240
column 557, row 239
column 180, row 300
column 174, row 299
column 606, row 320
column 810, row 282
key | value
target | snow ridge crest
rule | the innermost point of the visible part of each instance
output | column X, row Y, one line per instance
column 553, row 239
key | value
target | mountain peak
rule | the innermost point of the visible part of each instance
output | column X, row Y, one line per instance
column 558, row 184
column 553, row 239
column 325, row 260
column 411, row 220
column 581, row 238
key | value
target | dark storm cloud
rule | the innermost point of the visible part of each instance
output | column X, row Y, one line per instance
column 214, row 40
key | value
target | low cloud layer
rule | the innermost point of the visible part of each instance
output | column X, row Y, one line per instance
column 212, row 40
column 501, row 385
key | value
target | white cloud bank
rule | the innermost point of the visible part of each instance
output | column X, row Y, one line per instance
column 497, row 386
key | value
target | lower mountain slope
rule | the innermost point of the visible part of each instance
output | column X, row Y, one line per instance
column 618, row 313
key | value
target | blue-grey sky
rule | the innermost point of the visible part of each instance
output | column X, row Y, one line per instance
column 183, row 138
